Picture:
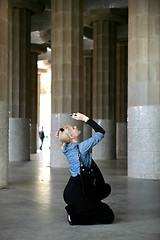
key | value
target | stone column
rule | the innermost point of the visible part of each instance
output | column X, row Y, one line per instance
column 36, row 49
column 144, row 89
column 19, row 122
column 4, row 109
column 67, row 59
column 34, row 89
column 104, row 87
column 121, row 99
column 38, row 108
column 104, row 22
column 87, row 90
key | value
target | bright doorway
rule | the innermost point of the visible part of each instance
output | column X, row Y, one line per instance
column 45, row 107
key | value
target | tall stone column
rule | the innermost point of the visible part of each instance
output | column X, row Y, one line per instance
column 104, row 70
column 67, row 58
column 20, row 78
column 87, row 90
column 121, row 99
column 4, row 109
column 19, row 122
column 34, row 89
column 104, row 22
column 144, row 89
column 38, row 107
column 36, row 49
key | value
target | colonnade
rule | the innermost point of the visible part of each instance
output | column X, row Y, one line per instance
column 117, row 76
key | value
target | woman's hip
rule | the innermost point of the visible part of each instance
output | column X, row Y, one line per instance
column 73, row 190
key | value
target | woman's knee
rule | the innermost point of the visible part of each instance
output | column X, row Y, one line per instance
column 109, row 218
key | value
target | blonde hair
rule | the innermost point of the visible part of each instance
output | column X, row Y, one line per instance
column 64, row 135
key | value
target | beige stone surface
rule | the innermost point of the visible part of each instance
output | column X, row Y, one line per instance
column 67, row 40
column 20, row 64
column 87, row 83
column 144, row 54
column 4, row 108
column 104, row 73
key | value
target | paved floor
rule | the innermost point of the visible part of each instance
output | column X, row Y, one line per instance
column 32, row 207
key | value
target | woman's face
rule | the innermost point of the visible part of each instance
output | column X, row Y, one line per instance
column 75, row 131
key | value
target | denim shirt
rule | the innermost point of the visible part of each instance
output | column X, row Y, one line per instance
column 71, row 152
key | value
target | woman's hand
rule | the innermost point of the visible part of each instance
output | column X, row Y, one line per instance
column 80, row 116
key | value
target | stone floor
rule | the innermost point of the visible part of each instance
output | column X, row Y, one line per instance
column 32, row 207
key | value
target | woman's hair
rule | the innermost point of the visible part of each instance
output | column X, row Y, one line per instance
column 64, row 135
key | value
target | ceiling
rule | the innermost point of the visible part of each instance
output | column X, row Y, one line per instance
column 42, row 21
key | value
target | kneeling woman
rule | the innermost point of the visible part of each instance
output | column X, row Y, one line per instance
column 82, row 211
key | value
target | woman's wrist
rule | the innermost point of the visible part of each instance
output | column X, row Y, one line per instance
column 86, row 119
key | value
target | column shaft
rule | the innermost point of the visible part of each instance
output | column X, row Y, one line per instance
column 144, row 89
column 38, row 109
column 87, row 90
column 104, row 70
column 121, row 99
column 19, row 137
column 104, row 94
column 4, row 109
column 34, row 98
column 20, row 86
column 67, row 59
column 87, row 83
column 66, row 55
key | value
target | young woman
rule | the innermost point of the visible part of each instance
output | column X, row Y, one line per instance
column 81, row 211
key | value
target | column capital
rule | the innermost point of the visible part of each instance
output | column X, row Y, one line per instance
column 117, row 15
column 38, row 48
column 36, row 6
column 46, row 36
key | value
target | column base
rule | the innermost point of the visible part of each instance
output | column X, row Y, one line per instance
column 57, row 158
column 4, row 157
column 121, row 140
column 38, row 139
column 106, row 149
column 33, row 138
column 19, row 139
column 144, row 142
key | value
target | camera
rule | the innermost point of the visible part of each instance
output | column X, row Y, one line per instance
column 73, row 114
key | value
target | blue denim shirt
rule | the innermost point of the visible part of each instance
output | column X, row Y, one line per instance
column 71, row 152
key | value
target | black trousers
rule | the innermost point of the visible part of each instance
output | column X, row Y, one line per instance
column 83, row 211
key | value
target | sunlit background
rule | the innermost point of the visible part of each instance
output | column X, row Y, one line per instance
column 45, row 105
